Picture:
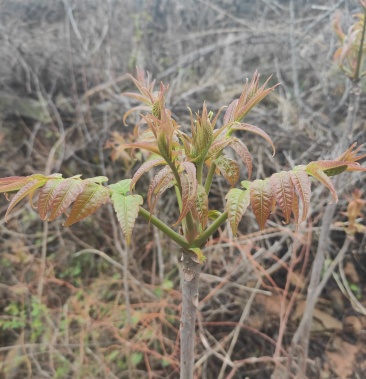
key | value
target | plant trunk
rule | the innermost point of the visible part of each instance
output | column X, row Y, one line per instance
column 190, row 278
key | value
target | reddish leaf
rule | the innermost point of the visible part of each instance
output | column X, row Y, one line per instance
column 228, row 168
column 217, row 147
column 15, row 183
column 165, row 135
column 201, row 209
column 45, row 197
column 237, row 202
column 163, row 180
column 355, row 167
column 27, row 189
column 350, row 155
column 11, row 179
column 295, row 208
column 189, row 189
column 315, row 169
column 256, row 130
column 167, row 183
column 63, row 195
column 283, row 191
column 132, row 110
column 243, row 152
column 214, row 121
column 221, row 133
column 143, row 82
column 327, row 165
column 146, row 166
column 335, row 167
column 251, row 95
column 302, row 185
column 261, row 199
column 88, row 202
column 230, row 112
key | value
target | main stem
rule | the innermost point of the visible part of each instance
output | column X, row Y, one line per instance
column 190, row 279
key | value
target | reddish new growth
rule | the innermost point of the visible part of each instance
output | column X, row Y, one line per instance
column 188, row 163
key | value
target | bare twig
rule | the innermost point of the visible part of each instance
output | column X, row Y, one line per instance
column 300, row 340
column 43, row 259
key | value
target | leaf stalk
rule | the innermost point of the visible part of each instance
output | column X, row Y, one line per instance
column 181, row 241
column 205, row 235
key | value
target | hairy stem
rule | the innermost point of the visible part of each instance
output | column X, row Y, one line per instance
column 190, row 278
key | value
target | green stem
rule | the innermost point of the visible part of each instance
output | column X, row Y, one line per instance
column 164, row 228
column 187, row 222
column 189, row 227
column 211, row 173
column 191, row 231
column 179, row 197
column 209, row 177
column 176, row 175
column 359, row 57
column 199, row 172
column 203, row 237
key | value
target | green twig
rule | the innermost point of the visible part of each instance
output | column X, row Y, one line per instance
column 199, row 172
column 181, row 241
column 188, row 223
column 209, row 177
column 203, row 237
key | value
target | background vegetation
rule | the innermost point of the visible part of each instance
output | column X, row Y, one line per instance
column 76, row 302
